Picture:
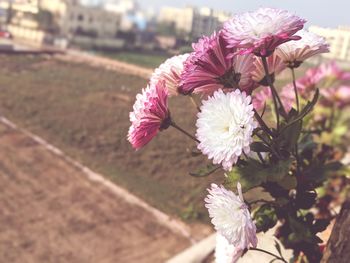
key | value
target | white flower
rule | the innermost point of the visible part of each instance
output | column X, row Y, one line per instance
column 170, row 71
column 225, row 252
column 231, row 217
column 225, row 126
column 309, row 45
column 261, row 31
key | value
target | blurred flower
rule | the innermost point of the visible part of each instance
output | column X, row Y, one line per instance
column 332, row 72
column 261, row 31
column 170, row 71
column 336, row 96
column 225, row 252
column 225, row 126
column 287, row 96
column 210, row 68
column 275, row 66
column 260, row 97
column 231, row 217
column 150, row 115
column 327, row 75
column 293, row 53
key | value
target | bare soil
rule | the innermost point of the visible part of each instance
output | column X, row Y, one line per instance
column 83, row 108
column 51, row 212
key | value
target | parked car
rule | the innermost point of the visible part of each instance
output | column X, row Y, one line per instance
column 5, row 34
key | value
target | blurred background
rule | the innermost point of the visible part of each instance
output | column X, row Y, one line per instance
column 69, row 74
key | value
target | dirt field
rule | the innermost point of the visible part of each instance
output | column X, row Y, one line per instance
column 51, row 212
column 83, row 110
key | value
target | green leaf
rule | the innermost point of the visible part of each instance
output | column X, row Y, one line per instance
column 289, row 182
column 250, row 175
column 320, row 225
column 300, row 232
column 278, row 248
column 278, row 172
column 259, row 147
column 289, row 136
column 307, row 143
column 265, row 218
column 308, row 107
column 253, row 174
column 319, row 172
column 205, row 171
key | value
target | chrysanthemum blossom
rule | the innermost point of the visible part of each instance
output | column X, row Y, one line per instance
column 293, row 53
column 287, row 96
column 326, row 75
column 210, row 67
column 336, row 96
column 225, row 126
column 170, row 71
column 261, row 97
column 150, row 115
column 331, row 71
column 275, row 66
column 231, row 217
column 226, row 252
column 261, row 31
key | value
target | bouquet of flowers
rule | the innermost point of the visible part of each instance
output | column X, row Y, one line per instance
column 257, row 134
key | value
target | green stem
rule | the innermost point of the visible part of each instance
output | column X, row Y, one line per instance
column 269, row 253
column 267, row 144
column 194, row 103
column 273, row 91
column 295, row 90
column 261, row 158
column 262, row 124
column 297, row 158
column 173, row 124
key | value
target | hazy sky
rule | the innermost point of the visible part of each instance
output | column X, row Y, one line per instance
column 329, row 13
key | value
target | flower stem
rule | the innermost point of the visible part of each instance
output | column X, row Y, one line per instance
column 263, row 125
column 173, row 124
column 269, row 253
column 273, row 90
column 261, row 158
column 295, row 90
column 194, row 102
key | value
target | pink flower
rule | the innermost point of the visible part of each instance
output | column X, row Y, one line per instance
column 261, row 31
column 170, row 71
column 293, row 53
column 210, row 68
column 287, row 96
column 275, row 66
column 150, row 115
column 332, row 72
column 260, row 98
column 336, row 96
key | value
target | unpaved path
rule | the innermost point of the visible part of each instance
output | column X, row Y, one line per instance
column 51, row 212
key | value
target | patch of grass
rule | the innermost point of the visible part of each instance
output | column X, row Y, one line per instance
column 84, row 111
column 140, row 59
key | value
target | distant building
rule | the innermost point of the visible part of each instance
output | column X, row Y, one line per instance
column 181, row 19
column 195, row 22
column 80, row 24
column 89, row 21
column 339, row 40
column 207, row 20
column 21, row 12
